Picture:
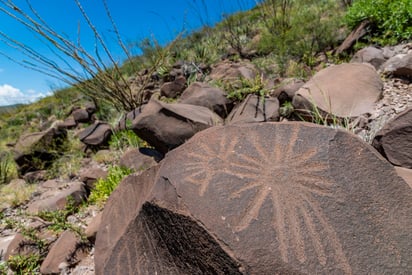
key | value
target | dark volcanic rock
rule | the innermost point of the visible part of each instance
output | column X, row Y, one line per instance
column 201, row 94
column 261, row 198
column 128, row 118
column 81, row 116
column 166, row 126
column 36, row 151
column 134, row 159
column 174, row 88
column 231, row 72
column 60, row 252
column 394, row 140
column 286, row 89
column 57, row 199
column 177, row 245
column 96, row 135
column 399, row 65
column 255, row 109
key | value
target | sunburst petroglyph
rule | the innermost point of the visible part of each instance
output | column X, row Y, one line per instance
column 290, row 176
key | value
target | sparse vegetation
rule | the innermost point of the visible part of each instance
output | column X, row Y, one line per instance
column 15, row 195
column 25, row 264
column 104, row 187
column 281, row 37
column 7, row 168
column 239, row 91
column 390, row 21
column 124, row 139
column 57, row 220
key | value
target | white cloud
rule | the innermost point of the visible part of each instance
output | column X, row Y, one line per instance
column 10, row 95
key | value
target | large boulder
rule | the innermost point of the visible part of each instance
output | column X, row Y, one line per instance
column 126, row 120
column 136, row 160
column 371, row 55
column 260, row 198
column 166, row 126
column 231, row 72
column 96, row 135
column 81, row 115
column 394, row 140
column 255, row 109
column 201, row 94
column 58, row 198
column 286, row 89
column 60, row 253
column 37, row 151
column 174, row 88
column 399, row 65
column 345, row 90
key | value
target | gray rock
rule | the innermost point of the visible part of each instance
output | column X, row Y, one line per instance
column 399, row 65
column 371, row 55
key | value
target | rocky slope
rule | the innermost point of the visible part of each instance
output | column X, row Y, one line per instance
column 166, row 126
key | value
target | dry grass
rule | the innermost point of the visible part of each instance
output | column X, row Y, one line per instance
column 15, row 193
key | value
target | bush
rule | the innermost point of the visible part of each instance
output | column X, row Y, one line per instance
column 104, row 187
column 7, row 168
column 299, row 30
column 124, row 139
column 390, row 21
column 25, row 264
column 239, row 91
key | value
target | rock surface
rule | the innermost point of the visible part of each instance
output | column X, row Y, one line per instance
column 96, row 135
column 371, row 55
column 135, row 160
column 166, row 126
column 61, row 250
column 394, row 140
column 399, row 65
column 261, row 198
column 202, row 94
column 405, row 174
column 255, row 109
column 230, row 72
column 174, row 88
column 36, row 151
column 345, row 90
column 56, row 199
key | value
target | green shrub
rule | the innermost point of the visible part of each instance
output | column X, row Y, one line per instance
column 25, row 264
column 122, row 140
column 7, row 168
column 104, row 187
column 245, row 87
column 391, row 21
column 57, row 220
column 301, row 30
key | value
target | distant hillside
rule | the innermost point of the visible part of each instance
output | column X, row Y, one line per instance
column 9, row 108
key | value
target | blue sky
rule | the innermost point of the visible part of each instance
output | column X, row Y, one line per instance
column 137, row 19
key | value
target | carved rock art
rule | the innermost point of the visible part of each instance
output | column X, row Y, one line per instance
column 263, row 198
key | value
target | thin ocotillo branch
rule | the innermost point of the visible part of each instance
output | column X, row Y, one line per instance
column 97, row 79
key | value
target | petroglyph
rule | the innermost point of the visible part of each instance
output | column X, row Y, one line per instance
column 285, row 173
column 209, row 160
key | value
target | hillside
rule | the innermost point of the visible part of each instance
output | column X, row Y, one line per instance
column 315, row 94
